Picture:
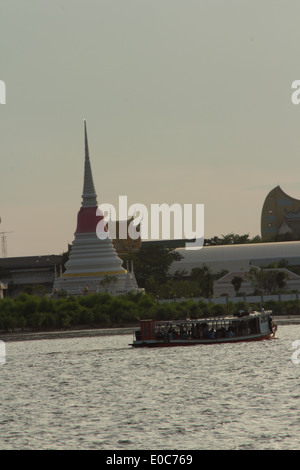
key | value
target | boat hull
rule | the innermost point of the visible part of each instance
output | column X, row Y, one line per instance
column 172, row 343
column 244, row 327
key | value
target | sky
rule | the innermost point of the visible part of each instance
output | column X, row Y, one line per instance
column 186, row 101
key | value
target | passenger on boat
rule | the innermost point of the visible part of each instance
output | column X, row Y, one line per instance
column 199, row 331
column 210, row 334
column 159, row 334
column 219, row 333
column 230, row 333
column 205, row 329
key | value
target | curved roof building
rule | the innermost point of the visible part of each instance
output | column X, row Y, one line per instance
column 237, row 257
column 280, row 215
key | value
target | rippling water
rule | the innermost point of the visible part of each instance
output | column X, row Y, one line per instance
column 98, row 393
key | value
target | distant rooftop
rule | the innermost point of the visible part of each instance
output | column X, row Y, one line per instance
column 30, row 261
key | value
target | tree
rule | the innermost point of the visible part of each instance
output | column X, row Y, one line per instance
column 265, row 281
column 180, row 275
column 205, row 279
column 281, row 277
column 152, row 285
column 232, row 239
column 107, row 281
column 236, row 282
column 153, row 260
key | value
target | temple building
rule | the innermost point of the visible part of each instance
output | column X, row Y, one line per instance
column 280, row 216
column 93, row 265
column 128, row 245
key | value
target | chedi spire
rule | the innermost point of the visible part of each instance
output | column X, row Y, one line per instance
column 93, row 264
column 89, row 196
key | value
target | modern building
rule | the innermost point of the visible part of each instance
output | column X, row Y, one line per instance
column 280, row 216
column 224, row 285
column 93, row 264
column 238, row 257
column 31, row 272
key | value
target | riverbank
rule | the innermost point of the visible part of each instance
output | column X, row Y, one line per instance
column 8, row 336
column 286, row 319
column 64, row 334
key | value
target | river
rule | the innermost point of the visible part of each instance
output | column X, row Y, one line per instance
column 98, row 393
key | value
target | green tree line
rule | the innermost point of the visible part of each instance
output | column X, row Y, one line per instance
column 33, row 313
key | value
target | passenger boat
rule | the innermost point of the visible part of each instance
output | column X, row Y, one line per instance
column 245, row 326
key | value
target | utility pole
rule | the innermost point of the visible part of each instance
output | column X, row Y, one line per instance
column 4, row 244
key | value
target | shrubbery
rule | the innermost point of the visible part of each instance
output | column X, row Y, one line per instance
column 103, row 310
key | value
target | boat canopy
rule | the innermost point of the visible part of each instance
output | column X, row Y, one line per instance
column 231, row 318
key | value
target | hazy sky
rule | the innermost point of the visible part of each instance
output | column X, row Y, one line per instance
column 186, row 101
